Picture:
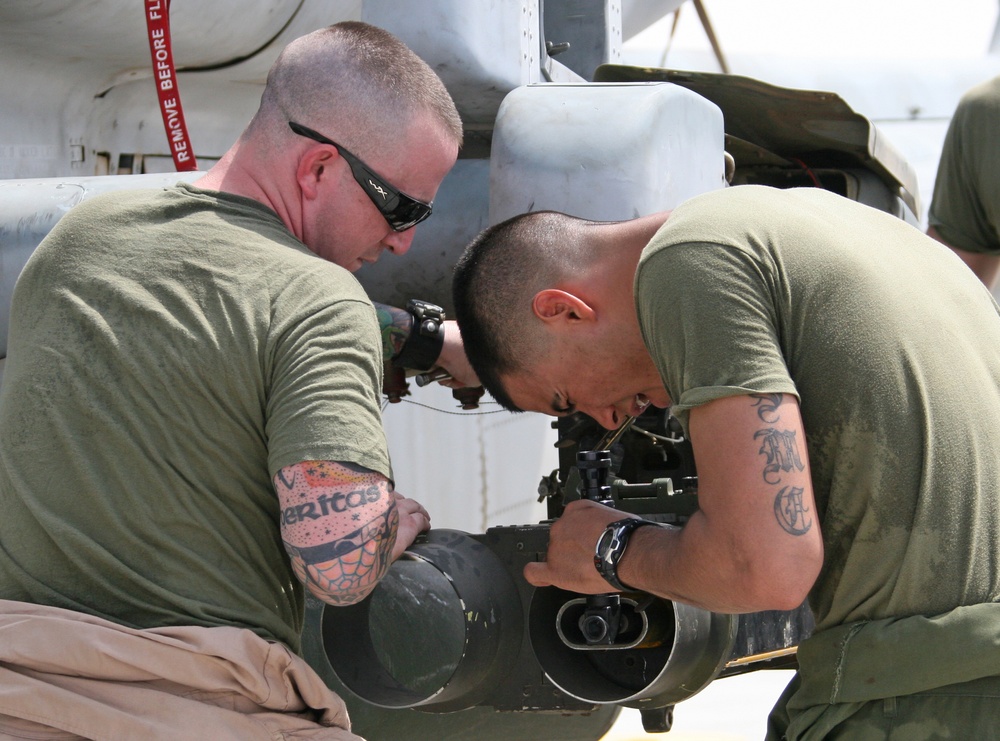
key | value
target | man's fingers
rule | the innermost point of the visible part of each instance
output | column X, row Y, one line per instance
column 410, row 526
column 421, row 520
column 410, row 507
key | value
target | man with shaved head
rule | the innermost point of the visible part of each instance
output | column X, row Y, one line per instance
column 190, row 425
column 838, row 375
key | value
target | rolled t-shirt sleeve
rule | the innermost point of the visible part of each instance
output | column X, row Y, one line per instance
column 965, row 209
column 326, row 381
column 710, row 317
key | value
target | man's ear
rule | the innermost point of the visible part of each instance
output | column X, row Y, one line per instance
column 313, row 167
column 554, row 305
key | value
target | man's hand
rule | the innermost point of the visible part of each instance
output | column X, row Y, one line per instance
column 454, row 360
column 413, row 520
column 570, row 561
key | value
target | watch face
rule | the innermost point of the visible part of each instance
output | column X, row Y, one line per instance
column 613, row 540
column 611, row 547
column 604, row 542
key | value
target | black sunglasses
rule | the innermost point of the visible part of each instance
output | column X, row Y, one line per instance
column 401, row 211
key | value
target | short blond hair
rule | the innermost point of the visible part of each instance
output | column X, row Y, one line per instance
column 356, row 83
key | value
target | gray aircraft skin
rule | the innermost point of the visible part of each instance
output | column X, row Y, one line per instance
column 553, row 121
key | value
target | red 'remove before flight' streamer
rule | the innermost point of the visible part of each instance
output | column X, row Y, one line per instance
column 158, row 25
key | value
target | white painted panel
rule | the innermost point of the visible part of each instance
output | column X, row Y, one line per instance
column 603, row 151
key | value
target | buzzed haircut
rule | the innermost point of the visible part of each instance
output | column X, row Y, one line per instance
column 494, row 283
column 357, row 83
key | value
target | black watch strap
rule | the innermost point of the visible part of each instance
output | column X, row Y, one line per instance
column 423, row 347
column 611, row 547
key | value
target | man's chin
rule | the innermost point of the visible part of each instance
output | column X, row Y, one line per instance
column 360, row 263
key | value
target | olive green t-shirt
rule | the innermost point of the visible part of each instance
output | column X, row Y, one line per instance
column 169, row 352
column 893, row 348
column 965, row 209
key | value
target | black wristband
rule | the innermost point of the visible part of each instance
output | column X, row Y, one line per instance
column 423, row 346
column 611, row 547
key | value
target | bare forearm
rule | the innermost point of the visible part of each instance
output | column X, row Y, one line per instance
column 339, row 528
column 346, row 571
column 453, row 358
column 695, row 566
column 714, row 566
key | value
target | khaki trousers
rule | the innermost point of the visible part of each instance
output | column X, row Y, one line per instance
column 66, row 675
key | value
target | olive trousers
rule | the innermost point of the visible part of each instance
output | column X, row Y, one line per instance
column 913, row 678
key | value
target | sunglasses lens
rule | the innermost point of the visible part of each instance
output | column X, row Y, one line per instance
column 407, row 214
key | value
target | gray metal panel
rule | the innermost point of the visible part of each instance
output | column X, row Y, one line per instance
column 481, row 49
column 590, row 32
column 111, row 34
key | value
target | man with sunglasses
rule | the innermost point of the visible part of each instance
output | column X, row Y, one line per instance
column 190, row 418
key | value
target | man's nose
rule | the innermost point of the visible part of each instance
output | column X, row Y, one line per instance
column 398, row 243
column 607, row 417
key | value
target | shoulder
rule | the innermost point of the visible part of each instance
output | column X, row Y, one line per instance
column 986, row 94
column 979, row 108
column 737, row 217
column 102, row 204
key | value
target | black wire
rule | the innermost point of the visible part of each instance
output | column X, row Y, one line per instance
column 445, row 411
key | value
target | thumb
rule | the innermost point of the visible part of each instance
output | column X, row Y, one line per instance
column 537, row 574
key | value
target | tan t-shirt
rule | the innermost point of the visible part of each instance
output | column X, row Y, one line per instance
column 169, row 352
column 893, row 348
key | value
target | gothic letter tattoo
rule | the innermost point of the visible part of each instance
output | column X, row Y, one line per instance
column 790, row 511
column 782, row 454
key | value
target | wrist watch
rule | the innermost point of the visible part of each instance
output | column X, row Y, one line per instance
column 423, row 346
column 611, row 547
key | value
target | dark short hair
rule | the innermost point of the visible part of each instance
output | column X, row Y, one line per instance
column 494, row 282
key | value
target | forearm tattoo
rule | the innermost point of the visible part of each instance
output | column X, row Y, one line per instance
column 395, row 325
column 348, row 566
column 781, row 456
column 337, row 566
